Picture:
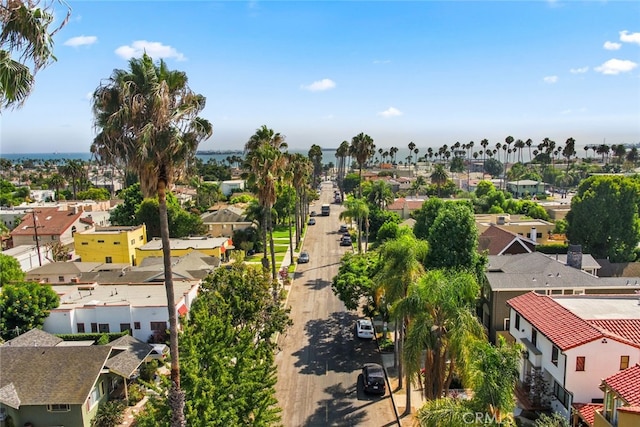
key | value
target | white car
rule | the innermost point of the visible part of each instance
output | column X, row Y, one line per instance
column 364, row 328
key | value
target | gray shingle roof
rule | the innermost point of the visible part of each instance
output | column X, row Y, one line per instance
column 34, row 338
column 128, row 353
column 47, row 375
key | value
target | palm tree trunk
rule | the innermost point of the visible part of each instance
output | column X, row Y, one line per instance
column 265, row 260
column 176, row 395
column 271, row 246
column 290, row 237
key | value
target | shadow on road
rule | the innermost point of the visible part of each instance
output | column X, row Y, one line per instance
column 333, row 346
column 339, row 410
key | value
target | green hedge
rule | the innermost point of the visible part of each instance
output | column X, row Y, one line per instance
column 553, row 248
column 98, row 338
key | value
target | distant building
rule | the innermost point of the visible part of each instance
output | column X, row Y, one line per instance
column 497, row 241
column 212, row 246
column 537, row 230
column 116, row 244
column 224, row 221
column 51, row 226
column 525, row 187
column 69, row 272
column 405, row 206
column 230, row 186
column 27, row 256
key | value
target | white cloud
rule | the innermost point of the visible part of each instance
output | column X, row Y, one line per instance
column 629, row 38
column 390, row 112
column 551, row 79
column 616, row 66
column 580, row 70
column 155, row 50
column 81, row 41
column 319, row 85
column 612, row 45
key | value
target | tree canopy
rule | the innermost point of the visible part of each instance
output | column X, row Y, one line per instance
column 24, row 306
column 10, row 270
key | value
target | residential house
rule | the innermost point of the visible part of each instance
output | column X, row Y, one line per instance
column 68, row 272
column 497, row 241
column 575, row 341
column 49, row 225
column 618, row 269
column 212, row 246
column 405, row 206
column 507, row 277
column 42, row 385
column 12, row 216
column 116, row 244
column 30, row 256
column 230, row 186
column 48, row 385
column 525, row 187
column 621, row 406
column 537, row 230
column 224, row 221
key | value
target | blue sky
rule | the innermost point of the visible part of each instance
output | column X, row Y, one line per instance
column 431, row 72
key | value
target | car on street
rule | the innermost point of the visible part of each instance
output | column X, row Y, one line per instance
column 303, row 258
column 364, row 328
column 312, row 221
column 312, row 213
column 343, row 229
column 373, row 378
column 346, row 241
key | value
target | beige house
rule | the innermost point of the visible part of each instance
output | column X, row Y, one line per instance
column 223, row 221
column 537, row 230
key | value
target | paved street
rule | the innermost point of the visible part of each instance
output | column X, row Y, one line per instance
column 319, row 362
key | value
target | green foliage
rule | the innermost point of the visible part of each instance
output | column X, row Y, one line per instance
column 125, row 213
column 552, row 248
column 94, row 194
column 136, row 394
column 457, row 165
column 354, row 279
column 213, row 170
column 148, row 370
column 351, row 183
column 553, row 420
column 110, row 413
column 241, row 198
column 493, row 167
column 484, row 187
column 181, row 222
column 98, row 337
column 604, row 217
column 10, row 270
column 560, row 226
column 379, row 218
column 24, row 306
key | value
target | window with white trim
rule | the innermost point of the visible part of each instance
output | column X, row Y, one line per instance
column 58, row 407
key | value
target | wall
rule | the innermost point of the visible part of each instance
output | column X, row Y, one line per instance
column 97, row 246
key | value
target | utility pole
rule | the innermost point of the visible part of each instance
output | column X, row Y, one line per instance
column 35, row 230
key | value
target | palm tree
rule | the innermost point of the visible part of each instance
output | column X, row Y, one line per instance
column 402, row 265
column 147, row 116
column 439, row 176
column 56, row 181
column 27, row 32
column 341, row 154
column 315, row 155
column 411, row 146
column 73, row 171
column 380, row 194
column 264, row 162
column 301, row 169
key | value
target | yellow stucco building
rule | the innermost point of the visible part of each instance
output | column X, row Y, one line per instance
column 110, row 244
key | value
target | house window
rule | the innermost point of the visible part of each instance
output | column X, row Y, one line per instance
column 518, row 322
column 580, row 363
column 136, row 325
column 141, row 238
column 624, row 362
column 60, row 278
column 507, row 323
column 103, row 328
column 116, row 243
column 125, row 327
column 534, row 337
column 94, row 328
column 80, row 327
column 159, row 326
column 108, row 260
column 100, row 241
column 133, row 241
column 84, row 243
column 53, row 237
column 58, row 407
column 554, row 355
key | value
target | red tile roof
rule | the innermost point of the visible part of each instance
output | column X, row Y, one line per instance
column 632, row 409
column 626, row 384
column 50, row 221
column 412, row 204
column 625, row 328
column 587, row 411
column 562, row 327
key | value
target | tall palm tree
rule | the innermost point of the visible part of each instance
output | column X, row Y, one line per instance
column 439, row 176
column 402, row 265
column 56, row 181
column 315, row 155
column 264, row 162
column 380, row 194
column 147, row 116
column 26, row 32
column 411, row 146
column 301, row 169
column 341, row 153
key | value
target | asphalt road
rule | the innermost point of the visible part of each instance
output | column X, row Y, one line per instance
column 320, row 359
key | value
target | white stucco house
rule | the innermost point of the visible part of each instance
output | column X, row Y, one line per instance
column 140, row 308
column 575, row 341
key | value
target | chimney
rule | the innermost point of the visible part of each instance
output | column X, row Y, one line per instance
column 574, row 256
column 533, row 234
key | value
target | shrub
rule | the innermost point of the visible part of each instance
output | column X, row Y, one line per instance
column 109, row 414
column 148, row 370
column 136, row 393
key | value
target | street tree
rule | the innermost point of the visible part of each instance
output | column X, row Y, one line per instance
column 24, row 306
column 604, row 217
column 147, row 117
column 354, row 281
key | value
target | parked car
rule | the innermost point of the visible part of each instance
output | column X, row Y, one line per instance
column 312, row 213
column 373, row 378
column 159, row 352
column 364, row 328
column 303, row 258
column 343, row 229
column 346, row 241
column 312, row 221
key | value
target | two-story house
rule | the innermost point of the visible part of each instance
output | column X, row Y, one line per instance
column 508, row 276
column 224, row 220
column 115, row 244
column 49, row 225
column 575, row 341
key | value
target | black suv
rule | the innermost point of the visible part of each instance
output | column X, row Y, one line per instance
column 373, row 377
